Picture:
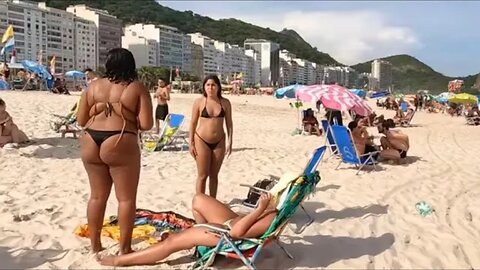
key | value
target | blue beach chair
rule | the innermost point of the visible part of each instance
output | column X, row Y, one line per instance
column 348, row 153
column 171, row 129
column 330, row 142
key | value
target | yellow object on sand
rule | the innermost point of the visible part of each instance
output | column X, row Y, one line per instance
column 141, row 231
column 284, row 182
column 168, row 134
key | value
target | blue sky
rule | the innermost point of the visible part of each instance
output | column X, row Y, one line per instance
column 444, row 35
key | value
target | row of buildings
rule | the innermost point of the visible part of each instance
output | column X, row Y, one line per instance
column 80, row 37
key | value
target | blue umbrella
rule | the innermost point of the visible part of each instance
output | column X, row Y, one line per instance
column 287, row 91
column 74, row 74
column 34, row 67
column 359, row 92
column 441, row 99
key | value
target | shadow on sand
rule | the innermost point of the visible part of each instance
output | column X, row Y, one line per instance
column 56, row 147
column 28, row 258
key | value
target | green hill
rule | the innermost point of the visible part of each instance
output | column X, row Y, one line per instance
column 228, row 30
column 411, row 74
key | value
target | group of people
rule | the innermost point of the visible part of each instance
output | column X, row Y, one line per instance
column 113, row 111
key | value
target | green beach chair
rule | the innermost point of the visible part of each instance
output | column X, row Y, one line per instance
column 248, row 250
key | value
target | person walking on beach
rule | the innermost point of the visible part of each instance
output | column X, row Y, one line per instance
column 208, row 143
column 112, row 111
column 163, row 96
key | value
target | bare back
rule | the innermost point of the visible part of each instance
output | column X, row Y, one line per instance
column 114, row 106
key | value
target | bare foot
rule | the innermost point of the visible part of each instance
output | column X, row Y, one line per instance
column 97, row 248
column 126, row 251
column 107, row 260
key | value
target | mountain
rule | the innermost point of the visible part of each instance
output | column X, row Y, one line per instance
column 409, row 74
column 232, row 31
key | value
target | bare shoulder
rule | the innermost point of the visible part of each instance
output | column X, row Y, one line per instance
column 138, row 87
column 226, row 102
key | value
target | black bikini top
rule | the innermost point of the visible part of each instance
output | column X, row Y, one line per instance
column 205, row 114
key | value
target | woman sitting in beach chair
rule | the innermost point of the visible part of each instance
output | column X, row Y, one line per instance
column 206, row 210
column 406, row 118
column 68, row 121
column 310, row 123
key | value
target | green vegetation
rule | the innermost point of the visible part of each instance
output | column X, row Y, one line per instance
column 410, row 74
column 228, row 30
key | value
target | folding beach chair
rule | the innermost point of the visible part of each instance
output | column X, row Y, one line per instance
column 348, row 153
column 404, row 106
column 311, row 167
column 68, row 123
column 171, row 131
column 407, row 122
column 329, row 141
column 248, row 250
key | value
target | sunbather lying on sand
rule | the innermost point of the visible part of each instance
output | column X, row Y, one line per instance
column 205, row 210
column 394, row 139
column 9, row 132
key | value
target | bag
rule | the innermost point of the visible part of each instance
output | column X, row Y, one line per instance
column 253, row 195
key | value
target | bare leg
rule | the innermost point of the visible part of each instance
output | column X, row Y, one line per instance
column 385, row 143
column 209, row 210
column 203, row 161
column 215, row 165
column 125, row 174
column 4, row 140
column 18, row 136
column 185, row 240
column 157, row 126
column 100, row 187
column 390, row 154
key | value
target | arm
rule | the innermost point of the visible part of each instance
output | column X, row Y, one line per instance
column 193, row 122
column 247, row 223
column 229, row 123
column 167, row 93
column 145, row 115
column 157, row 93
column 7, row 118
column 83, row 109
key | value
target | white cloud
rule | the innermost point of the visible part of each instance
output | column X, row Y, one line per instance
column 348, row 36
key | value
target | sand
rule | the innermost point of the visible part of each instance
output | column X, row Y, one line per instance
column 366, row 221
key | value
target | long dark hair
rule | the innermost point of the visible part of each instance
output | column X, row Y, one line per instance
column 120, row 66
column 217, row 82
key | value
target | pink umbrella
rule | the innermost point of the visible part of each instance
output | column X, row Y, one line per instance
column 334, row 97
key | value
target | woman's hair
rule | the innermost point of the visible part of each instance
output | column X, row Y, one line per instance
column 120, row 66
column 217, row 82
column 389, row 123
column 2, row 103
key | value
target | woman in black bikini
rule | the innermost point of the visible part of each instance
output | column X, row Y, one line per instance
column 207, row 137
column 113, row 110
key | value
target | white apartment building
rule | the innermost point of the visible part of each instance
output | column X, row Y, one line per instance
column 319, row 73
column 85, row 46
column 252, row 75
column 109, row 29
column 40, row 33
column 209, row 52
column 144, row 50
column 223, row 60
column 301, row 71
column 270, row 61
column 288, row 68
column 382, row 75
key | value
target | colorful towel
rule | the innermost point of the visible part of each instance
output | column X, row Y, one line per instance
column 148, row 224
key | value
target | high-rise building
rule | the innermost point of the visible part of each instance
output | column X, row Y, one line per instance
column 109, row 29
column 382, row 73
column 197, row 61
column 143, row 47
column 40, row 33
column 270, row 61
column 252, row 75
column 85, row 44
column 187, row 54
column 209, row 53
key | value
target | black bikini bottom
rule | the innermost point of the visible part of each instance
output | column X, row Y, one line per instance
column 212, row 146
column 99, row 136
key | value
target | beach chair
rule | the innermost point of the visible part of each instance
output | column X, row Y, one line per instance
column 68, row 123
column 407, row 121
column 311, row 167
column 329, row 141
column 348, row 153
column 171, row 131
column 248, row 250
column 404, row 106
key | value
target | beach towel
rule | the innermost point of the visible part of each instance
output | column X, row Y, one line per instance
column 148, row 225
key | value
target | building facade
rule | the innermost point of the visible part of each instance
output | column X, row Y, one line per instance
column 210, row 67
column 270, row 61
column 382, row 75
column 109, row 29
column 197, row 61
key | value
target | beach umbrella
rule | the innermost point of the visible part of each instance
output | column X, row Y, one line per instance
column 334, row 97
column 379, row 94
column 286, row 92
column 463, row 98
column 74, row 74
column 36, row 68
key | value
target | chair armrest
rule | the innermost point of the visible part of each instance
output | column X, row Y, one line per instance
column 216, row 228
column 369, row 154
column 254, row 188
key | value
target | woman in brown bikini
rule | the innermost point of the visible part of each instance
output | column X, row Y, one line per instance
column 206, row 210
column 208, row 143
column 113, row 110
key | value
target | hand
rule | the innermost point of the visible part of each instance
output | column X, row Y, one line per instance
column 193, row 151
column 264, row 200
column 228, row 150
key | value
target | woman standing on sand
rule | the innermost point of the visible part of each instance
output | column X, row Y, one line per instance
column 113, row 110
column 208, row 143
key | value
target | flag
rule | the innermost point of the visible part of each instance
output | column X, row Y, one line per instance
column 8, row 34
column 240, row 75
column 52, row 64
column 8, row 46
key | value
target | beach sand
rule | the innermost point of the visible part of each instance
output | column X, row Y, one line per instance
column 366, row 221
